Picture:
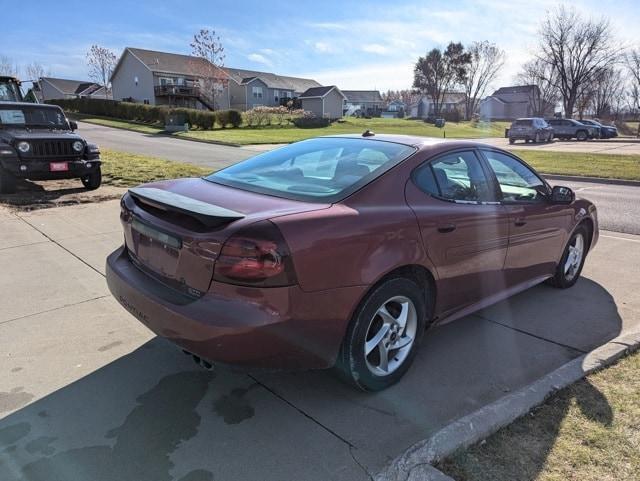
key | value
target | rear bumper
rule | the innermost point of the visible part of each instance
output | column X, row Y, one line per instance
column 39, row 169
column 270, row 328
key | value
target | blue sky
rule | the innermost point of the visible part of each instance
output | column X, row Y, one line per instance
column 365, row 45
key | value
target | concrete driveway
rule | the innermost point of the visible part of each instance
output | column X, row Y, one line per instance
column 87, row 393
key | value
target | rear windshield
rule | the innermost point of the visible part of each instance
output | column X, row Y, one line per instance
column 324, row 169
column 523, row 123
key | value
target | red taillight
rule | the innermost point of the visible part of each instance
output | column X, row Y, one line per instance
column 257, row 256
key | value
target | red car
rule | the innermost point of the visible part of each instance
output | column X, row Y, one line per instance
column 341, row 251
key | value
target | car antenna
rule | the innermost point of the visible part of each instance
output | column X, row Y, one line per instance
column 368, row 133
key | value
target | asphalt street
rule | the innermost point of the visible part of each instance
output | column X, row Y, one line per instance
column 617, row 205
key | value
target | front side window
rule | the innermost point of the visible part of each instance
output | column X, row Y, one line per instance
column 257, row 92
column 517, row 182
column 455, row 177
column 326, row 169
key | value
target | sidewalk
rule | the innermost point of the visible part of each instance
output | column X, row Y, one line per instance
column 88, row 393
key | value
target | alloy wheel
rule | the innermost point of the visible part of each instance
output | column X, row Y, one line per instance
column 574, row 257
column 390, row 335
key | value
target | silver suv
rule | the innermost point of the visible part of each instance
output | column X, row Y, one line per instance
column 572, row 129
column 532, row 129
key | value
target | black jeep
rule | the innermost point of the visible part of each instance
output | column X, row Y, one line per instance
column 37, row 142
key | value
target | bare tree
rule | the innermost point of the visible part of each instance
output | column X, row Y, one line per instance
column 101, row 63
column 605, row 91
column 35, row 71
column 7, row 67
column 632, row 62
column 577, row 50
column 438, row 72
column 208, row 48
column 541, row 74
column 486, row 61
column 404, row 95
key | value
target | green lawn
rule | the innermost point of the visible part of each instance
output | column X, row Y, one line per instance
column 350, row 125
column 581, row 164
column 125, row 169
column 589, row 431
column 286, row 134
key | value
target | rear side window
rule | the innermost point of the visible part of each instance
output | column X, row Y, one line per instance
column 523, row 123
column 455, row 177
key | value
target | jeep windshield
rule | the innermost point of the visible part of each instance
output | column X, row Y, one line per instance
column 32, row 116
column 9, row 91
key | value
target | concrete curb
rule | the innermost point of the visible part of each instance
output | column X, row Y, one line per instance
column 597, row 180
column 480, row 424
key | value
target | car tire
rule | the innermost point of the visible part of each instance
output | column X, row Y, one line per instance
column 393, row 313
column 7, row 182
column 581, row 135
column 570, row 266
column 93, row 180
column 512, row 141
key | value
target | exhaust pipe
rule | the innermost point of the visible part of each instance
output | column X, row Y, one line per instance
column 200, row 362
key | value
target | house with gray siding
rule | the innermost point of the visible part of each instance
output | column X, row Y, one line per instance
column 452, row 105
column 327, row 102
column 251, row 88
column 50, row 88
column 510, row 103
column 161, row 78
column 363, row 102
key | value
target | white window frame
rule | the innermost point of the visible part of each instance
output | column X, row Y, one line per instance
column 276, row 95
column 257, row 92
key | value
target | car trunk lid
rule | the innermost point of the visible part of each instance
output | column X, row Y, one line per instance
column 175, row 230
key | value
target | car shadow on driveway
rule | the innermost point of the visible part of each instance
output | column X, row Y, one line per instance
column 150, row 416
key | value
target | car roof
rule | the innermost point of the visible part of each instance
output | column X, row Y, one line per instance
column 423, row 143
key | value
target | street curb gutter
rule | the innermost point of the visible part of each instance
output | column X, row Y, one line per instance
column 598, row 180
column 414, row 463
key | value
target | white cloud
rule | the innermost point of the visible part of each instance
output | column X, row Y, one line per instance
column 375, row 48
column 322, row 47
column 259, row 58
column 369, row 76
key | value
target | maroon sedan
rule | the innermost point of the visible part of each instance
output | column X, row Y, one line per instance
column 341, row 251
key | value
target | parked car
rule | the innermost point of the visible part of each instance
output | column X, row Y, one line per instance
column 37, row 142
column 567, row 129
column 342, row 251
column 603, row 131
column 530, row 130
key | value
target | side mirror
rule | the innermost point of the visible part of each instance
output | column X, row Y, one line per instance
column 562, row 195
column 73, row 125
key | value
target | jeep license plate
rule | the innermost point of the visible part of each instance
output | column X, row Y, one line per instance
column 58, row 166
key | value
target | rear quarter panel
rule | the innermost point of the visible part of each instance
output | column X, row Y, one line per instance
column 359, row 240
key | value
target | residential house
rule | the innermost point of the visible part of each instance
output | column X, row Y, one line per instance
column 510, row 103
column 250, row 88
column 363, row 103
column 49, row 88
column 161, row 78
column 327, row 102
column 452, row 106
column 395, row 109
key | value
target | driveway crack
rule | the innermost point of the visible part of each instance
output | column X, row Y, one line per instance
column 61, row 246
column 350, row 446
column 541, row 338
